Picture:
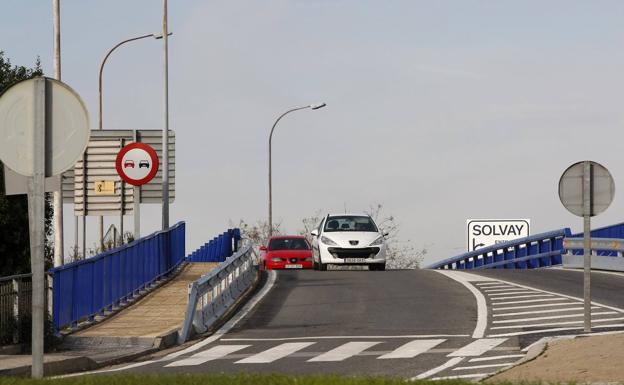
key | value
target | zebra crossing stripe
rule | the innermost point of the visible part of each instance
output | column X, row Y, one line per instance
column 343, row 351
column 477, row 347
column 275, row 353
column 213, row 353
column 412, row 349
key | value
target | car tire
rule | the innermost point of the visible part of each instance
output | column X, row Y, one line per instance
column 323, row 266
column 377, row 267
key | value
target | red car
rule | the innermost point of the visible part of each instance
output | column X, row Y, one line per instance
column 287, row 252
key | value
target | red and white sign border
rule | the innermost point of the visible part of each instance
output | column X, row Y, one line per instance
column 152, row 154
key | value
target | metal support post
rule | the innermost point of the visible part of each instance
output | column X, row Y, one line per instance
column 587, row 205
column 165, row 136
column 36, row 215
column 121, row 203
column 59, row 251
column 136, row 202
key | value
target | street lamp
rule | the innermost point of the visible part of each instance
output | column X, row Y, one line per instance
column 311, row 106
column 101, row 219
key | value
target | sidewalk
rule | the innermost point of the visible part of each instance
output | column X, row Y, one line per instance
column 594, row 359
column 146, row 326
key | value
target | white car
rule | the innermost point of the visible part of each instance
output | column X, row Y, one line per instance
column 348, row 239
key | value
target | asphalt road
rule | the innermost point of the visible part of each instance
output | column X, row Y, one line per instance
column 606, row 288
column 310, row 313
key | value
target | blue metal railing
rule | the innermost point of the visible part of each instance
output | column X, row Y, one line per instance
column 217, row 249
column 535, row 251
column 90, row 287
column 614, row 231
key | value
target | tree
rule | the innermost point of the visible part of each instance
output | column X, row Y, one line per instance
column 399, row 255
column 14, row 240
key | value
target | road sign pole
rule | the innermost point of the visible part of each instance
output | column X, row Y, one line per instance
column 136, row 208
column 59, row 250
column 587, row 204
column 165, row 136
column 36, row 213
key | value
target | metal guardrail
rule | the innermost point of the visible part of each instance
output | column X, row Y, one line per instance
column 90, row 287
column 535, row 251
column 16, row 305
column 211, row 296
column 217, row 249
column 597, row 244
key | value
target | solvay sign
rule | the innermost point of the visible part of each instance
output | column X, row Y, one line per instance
column 487, row 232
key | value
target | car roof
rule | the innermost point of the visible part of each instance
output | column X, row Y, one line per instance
column 349, row 215
column 286, row 236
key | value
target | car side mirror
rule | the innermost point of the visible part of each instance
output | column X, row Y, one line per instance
column 263, row 248
column 314, row 233
column 386, row 234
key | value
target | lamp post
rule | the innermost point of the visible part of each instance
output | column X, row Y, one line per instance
column 100, row 218
column 311, row 106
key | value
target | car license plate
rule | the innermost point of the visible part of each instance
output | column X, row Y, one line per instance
column 355, row 260
column 293, row 266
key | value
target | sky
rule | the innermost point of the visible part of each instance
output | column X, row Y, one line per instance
column 441, row 111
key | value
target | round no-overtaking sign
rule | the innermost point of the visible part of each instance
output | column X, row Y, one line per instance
column 137, row 163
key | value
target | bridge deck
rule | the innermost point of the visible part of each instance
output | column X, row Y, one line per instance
column 157, row 313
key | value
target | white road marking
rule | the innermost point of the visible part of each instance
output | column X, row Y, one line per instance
column 552, row 330
column 493, row 358
column 450, row 363
column 557, row 323
column 550, row 317
column 543, row 311
column 492, row 283
column 516, row 291
column 522, row 296
column 482, row 366
column 460, row 376
column 213, row 353
column 412, row 349
column 534, row 306
column 530, row 301
column 346, row 337
column 464, row 279
column 488, row 291
column 343, row 352
column 561, row 295
column 275, row 353
column 478, row 347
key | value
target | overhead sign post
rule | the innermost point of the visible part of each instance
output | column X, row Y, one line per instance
column 488, row 232
column 586, row 189
column 44, row 129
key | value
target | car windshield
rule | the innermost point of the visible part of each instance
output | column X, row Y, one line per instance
column 350, row 223
column 289, row 244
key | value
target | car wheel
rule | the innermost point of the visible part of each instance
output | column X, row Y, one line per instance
column 323, row 266
column 377, row 267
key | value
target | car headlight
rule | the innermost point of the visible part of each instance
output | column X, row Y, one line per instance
column 378, row 241
column 328, row 241
column 309, row 259
column 275, row 259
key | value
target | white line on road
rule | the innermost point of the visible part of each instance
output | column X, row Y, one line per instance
column 211, row 354
column 493, row 358
column 516, row 291
column 275, row 353
column 412, row 349
column 346, row 337
column 557, row 323
column 550, row 317
column 450, row 363
column 343, row 352
column 482, row 312
column 481, row 366
column 543, row 311
column 552, row 330
column 478, row 347
column 529, row 301
column 492, row 283
column 534, row 306
column 522, row 296
column 503, row 290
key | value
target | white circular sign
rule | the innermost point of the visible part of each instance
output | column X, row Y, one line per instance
column 67, row 122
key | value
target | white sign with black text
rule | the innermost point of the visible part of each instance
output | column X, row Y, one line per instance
column 488, row 232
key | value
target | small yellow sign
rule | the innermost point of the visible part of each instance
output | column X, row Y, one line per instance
column 104, row 187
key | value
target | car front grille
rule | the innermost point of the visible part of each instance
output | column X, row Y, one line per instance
column 366, row 252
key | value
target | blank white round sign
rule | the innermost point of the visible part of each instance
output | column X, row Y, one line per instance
column 67, row 123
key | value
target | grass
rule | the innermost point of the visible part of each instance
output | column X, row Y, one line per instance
column 239, row 379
